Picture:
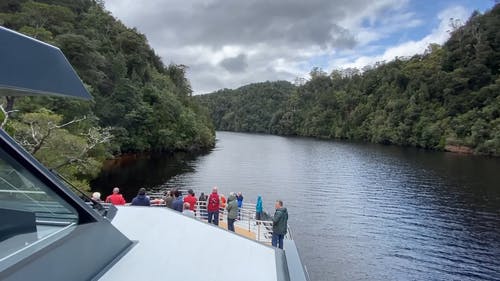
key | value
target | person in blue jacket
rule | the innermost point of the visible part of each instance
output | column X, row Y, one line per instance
column 178, row 201
column 258, row 208
column 141, row 199
column 239, row 197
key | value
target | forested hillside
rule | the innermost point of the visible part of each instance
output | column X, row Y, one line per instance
column 139, row 103
column 247, row 109
column 447, row 98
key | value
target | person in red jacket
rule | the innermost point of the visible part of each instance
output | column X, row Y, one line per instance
column 213, row 207
column 191, row 199
column 116, row 198
column 222, row 201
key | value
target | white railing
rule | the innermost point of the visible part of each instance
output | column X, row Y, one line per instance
column 246, row 218
column 262, row 229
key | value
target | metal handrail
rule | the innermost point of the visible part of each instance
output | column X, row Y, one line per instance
column 21, row 191
column 246, row 219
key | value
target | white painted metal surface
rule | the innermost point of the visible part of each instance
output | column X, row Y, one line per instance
column 175, row 247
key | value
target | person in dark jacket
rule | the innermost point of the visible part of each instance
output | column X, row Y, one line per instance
column 232, row 211
column 239, row 197
column 169, row 199
column 203, row 205
column 178, row 202
column 141, row 199
column 280, row 223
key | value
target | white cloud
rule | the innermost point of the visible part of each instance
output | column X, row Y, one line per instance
column 438, row 35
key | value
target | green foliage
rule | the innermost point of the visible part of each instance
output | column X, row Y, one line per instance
column 70, row 148
column 148, row 105
column 251, row 108
column 447, row 96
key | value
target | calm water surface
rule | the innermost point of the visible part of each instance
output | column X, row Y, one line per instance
column 357, row 211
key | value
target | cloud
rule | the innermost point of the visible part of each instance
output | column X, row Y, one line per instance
column 230, row 43
column 438, row 35
column 235, row 64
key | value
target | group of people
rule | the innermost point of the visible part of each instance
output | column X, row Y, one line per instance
column 209, row 210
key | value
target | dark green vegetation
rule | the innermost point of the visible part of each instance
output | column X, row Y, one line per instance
column 446, row 98
column 139, row 103
column 249, row 108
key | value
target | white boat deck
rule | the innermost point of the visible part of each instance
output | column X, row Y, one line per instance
column 174, row 247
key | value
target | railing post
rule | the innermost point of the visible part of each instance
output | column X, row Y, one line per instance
column 258, row 232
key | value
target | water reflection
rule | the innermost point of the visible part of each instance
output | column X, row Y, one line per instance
column 134, row 171
column 360, row 211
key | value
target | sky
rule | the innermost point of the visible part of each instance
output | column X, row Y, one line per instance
column 231, row 43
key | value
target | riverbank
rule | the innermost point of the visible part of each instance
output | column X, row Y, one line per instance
column 459, row 149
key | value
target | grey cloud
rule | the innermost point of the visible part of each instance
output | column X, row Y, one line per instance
column 235, row 64
column 221, row 22
column 264, row 31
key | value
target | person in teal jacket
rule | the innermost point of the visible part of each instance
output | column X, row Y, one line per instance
column 258, row 208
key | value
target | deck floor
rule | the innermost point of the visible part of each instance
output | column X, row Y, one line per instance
column 239, row 230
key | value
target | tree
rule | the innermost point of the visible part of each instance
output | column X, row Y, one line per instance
column 73, row 155
column 449, row 95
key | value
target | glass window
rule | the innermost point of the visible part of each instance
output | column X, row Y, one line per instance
column 31, row 214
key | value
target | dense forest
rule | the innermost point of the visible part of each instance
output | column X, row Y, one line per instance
column 446, row 99
column 139, row 103
column 249, row 108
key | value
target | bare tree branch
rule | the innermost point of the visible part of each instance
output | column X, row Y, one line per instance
column 94, row 136
column 69, row 123
column 6, row 114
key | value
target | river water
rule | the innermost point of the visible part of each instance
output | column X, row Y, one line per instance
column 357, row 211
